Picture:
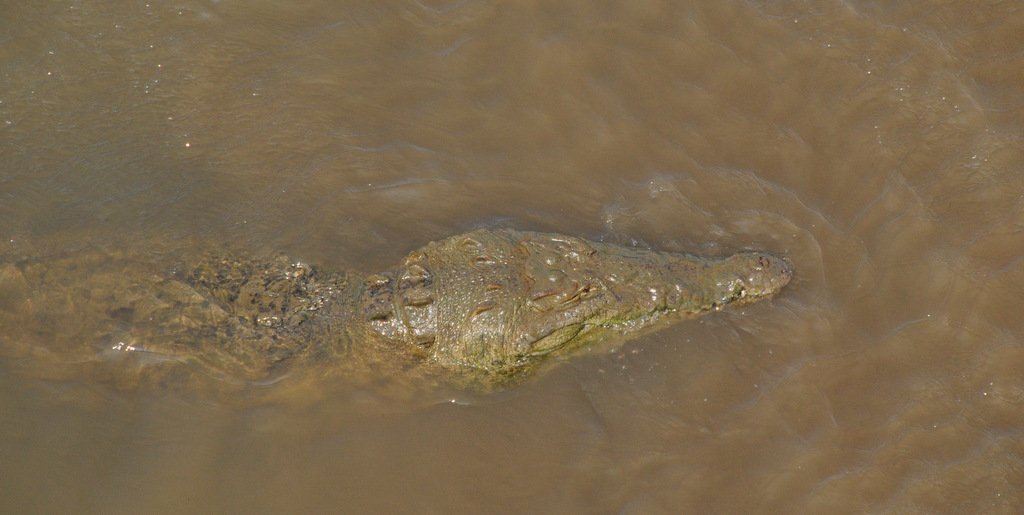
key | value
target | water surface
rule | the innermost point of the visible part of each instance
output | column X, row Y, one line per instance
column 877, row 145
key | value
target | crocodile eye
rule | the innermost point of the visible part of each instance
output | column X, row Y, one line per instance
column 588, row 290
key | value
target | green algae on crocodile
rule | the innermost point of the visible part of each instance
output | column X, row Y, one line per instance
column 486, row 306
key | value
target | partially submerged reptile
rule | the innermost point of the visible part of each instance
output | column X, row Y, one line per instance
column 488, row 305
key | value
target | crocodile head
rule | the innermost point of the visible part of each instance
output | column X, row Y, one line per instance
column 498, row 300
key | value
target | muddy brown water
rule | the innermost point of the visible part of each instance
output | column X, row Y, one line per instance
column 878, row 145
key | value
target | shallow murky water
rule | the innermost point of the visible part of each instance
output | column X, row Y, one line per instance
column 877, row 145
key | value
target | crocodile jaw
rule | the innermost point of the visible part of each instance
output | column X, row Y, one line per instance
column 638, row 287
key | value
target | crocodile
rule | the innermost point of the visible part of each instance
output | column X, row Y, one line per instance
column 489, row 305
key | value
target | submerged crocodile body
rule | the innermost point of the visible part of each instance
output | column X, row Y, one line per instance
column 489, row 304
